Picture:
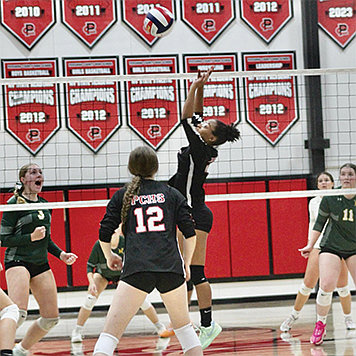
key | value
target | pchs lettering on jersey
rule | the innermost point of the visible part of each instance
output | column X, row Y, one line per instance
column 148, row 199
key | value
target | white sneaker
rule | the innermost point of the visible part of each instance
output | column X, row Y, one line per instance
column 76, row 336
column 17, row 352
column 76, row 349
column 207, row 335
column 350, row 325
column 287, row 324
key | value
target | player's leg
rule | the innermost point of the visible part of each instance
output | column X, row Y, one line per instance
column 18, row 289
column 9, row 315
column 125, row 304
column 86, row 309
column 311, row 277
column 345, row 296
column 149, row 310
column 44, row 289
column 176, row 304
column 329, row 269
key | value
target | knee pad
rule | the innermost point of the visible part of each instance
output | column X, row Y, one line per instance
column 22, row 317
column 190, row 285
column 89, row 302
column 343, row 291
column 10, row 312
column 187, row 337
column 146, row 305
column 106, row 344
column 324, row 298
column 304, row 290
column 47, row 324
column 198, row 275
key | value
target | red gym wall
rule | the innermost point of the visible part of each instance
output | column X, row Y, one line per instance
column 249, row 239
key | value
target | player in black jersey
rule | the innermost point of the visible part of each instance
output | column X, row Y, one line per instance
column 338, row 243
column 27, row 236
column 193, row 162
column 150, row 212
column 9, row 316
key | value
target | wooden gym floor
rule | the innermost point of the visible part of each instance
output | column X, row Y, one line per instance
column 249, row 329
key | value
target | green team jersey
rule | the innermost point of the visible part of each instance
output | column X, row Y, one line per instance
column 97, row 260
column 16, row 230
column 340, row 232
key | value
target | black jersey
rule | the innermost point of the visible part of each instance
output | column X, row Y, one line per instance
column 16, row 230
column 193, row 163
column 150, row 231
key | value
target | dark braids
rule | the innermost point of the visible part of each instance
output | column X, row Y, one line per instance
column 143, row 163
column 225, row 133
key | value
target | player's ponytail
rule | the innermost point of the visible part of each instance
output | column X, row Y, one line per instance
column 225, row 133
column 143, row 163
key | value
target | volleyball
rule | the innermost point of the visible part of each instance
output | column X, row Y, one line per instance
column 158, row 21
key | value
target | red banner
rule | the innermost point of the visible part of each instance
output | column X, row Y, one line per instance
column 153, row 109
column 133, row 13
column 208, row 19
column 337, row 19
column 271, row 101
column 28, row 20
column 92, row 109
column 31, row 110
column 220, row 94
column 89, row 19
column 266, row 18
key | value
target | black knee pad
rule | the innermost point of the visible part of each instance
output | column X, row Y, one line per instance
column 198, row 275
column 190, row 285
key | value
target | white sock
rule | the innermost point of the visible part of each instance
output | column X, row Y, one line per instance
column 20, row 347
column 322, row 318
column 295, row 314
column 159, row 326
column 78, row 328
column 347, row 315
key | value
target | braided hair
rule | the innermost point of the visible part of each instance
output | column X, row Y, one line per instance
column 225, row 133
column 19, row 187
column 143, row 163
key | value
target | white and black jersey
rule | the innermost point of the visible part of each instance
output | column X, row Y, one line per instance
column 193, row 163
column 150, row 231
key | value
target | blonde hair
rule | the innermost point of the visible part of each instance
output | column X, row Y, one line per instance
column 19, row 188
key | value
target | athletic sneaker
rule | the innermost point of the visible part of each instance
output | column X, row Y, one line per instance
column 318, row 334
column 17, row 352
column 318, row 351
column 207, row 335
column 350, row 325
column 76, row 336
column 287, row 324
column 76, row 349
column 168, row 332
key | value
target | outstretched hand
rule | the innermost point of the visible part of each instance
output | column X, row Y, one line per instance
column 202, row 78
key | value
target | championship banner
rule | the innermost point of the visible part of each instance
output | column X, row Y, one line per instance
column 208, row 19
column 133, row 14
column 28, row 20
column 92, row 109
column 31, row 110
column 337, row 18
column 89, row 19
column 220, row 94
column 153, row 109
column 271, row 101
column 266, row 18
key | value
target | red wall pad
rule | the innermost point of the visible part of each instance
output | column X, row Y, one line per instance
column 84, row 230
column 58, row 267
column 218, row 264
column 248, row 232
column 289, row 225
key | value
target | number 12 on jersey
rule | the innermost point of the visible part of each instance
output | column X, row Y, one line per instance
column 154, row 217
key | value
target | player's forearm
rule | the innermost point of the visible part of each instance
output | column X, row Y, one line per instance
column 199, row 100
column 188, row 108
column 188, row 249
column 106, row 247
column 313, row 237
column 90, row 276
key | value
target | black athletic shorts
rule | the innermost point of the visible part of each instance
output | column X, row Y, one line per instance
column 33, row 269
column 203, row 218
column 344, row 256
column 148, row 281
column 114, row 280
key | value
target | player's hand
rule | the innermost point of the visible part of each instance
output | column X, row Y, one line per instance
column 38, row 234
column 1, row 267
column 92, row 289
column 202, row 78
column 114, row 262
column 68, row 258
column 187, row 272
column 305, row 251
